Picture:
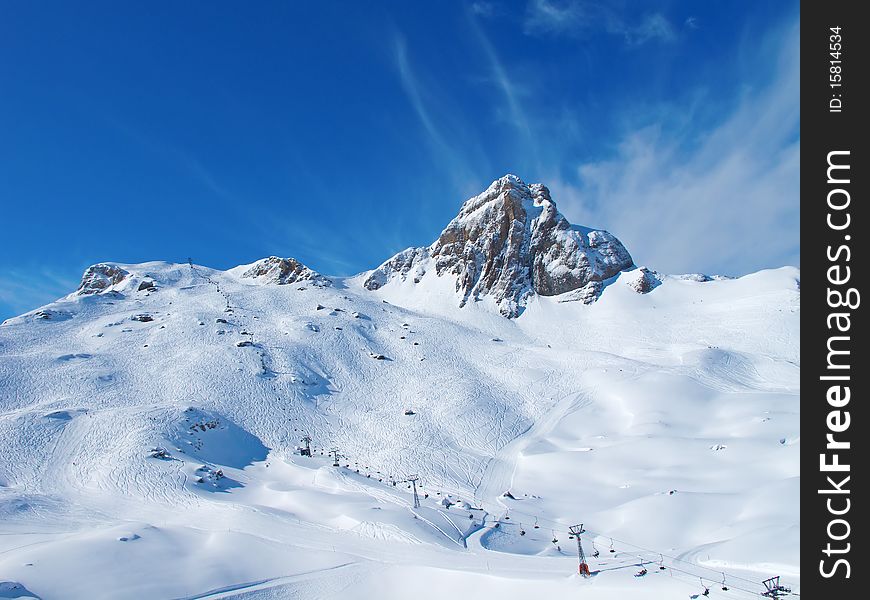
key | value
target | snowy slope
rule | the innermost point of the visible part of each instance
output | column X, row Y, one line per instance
column 149, row 429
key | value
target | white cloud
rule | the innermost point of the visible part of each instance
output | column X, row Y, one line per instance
column 511, row 91
column 580, row 18
column 24, row 289
column 445, row 147
column 723, row 199
column 483, row 9
column 652, row 27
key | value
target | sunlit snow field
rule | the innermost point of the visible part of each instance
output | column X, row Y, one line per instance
column 667, row 423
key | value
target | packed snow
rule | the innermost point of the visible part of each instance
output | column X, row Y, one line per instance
column 149, row 453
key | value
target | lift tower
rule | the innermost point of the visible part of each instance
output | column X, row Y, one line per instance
column 583, row 568
column 413, row 479
column 306, row 451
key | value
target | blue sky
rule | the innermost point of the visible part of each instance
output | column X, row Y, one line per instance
column 342, row 132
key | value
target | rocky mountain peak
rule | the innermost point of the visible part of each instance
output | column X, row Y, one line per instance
column 281, row 271
column 101, row 277
column 509, row 243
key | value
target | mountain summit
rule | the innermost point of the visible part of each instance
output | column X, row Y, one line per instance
column 509, row 243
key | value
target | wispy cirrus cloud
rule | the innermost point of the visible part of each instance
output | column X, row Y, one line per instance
column 579, row 18
column 511, row 92
column 684, row 199
column 26, row 288
column 455, row 151
column 412, row 89
column 484, row 9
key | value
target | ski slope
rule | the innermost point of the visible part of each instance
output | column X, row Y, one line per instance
column 667, row 423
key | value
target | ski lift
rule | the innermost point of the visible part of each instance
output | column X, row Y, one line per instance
column 774, row 588
column 641, row 573
column 595, row 552
column 661, row 563
column 612, row 551
column 724, row 587
column 555, row 539
column 706, row 591
column 536, row 523
column 522, row 531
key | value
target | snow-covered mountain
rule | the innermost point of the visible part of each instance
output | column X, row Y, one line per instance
column 150, row 422
column 508, row 243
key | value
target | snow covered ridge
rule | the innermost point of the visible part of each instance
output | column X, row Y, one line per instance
column 509, row 243
column 506, row 245
column 282, row 271
column 112, row 278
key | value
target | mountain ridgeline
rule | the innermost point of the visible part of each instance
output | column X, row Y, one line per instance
column 506, row 244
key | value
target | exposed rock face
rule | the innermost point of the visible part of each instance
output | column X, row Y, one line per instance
column 100, row 277
column 400, row 265
column 587, row 294
column 508, row 243
column 645, row 281
column 282, row 271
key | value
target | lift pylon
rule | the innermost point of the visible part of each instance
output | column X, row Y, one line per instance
column 306, row 451
column 582, row 568
column 413, row 479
